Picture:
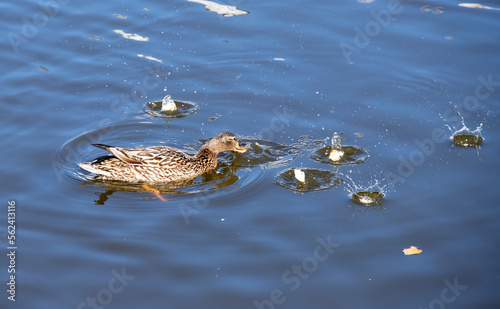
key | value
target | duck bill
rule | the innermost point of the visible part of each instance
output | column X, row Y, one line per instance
column 240, row 149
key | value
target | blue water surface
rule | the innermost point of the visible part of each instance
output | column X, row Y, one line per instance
column 390, row 75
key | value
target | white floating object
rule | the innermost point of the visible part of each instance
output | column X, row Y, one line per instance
column 222, row 9
column 131, row 36
column 366, row 200
column 168, row 105
column 299, row 175
column 149, row 57
column 477, row 6
column 336, row 155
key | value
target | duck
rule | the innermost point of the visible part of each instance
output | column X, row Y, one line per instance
column 160, row 163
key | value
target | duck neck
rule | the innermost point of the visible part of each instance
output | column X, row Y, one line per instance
column 206, row 158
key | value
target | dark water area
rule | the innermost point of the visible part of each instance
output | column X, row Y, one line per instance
column 393, row 78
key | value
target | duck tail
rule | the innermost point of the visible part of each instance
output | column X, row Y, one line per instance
column 102, row 146
column 88, row 166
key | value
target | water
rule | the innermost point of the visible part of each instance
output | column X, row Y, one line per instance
column 465, row 137
column 284, row 78
column 339, row 154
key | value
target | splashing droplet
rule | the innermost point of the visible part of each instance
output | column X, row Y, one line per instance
column 317, row 179
column 365, row 195
column 337, row 153
column 465, row 137
column 340, row 155
column 169, row 108
column 299, row 175
column 168, row 105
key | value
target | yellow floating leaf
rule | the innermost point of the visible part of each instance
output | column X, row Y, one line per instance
column 412, row 250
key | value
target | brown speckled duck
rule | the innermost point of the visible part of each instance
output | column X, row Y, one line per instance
column 160, row 163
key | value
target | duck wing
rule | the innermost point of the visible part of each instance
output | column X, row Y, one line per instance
column 158, row 156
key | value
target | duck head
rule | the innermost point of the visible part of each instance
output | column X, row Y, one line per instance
column 225, row 141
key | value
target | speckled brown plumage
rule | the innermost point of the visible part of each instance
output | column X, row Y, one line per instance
column 160, row 163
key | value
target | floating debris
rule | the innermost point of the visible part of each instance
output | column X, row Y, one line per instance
column 43, row 68
column 120, row 16
column 312, row 179
column 412, row 250
column 221, row 9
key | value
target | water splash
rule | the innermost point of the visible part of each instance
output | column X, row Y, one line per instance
column 169, row 108
column 263, row 153
column 168, row 105
column 365, row 195
column 337, row 154
column 307, row 179
column 465, row 137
